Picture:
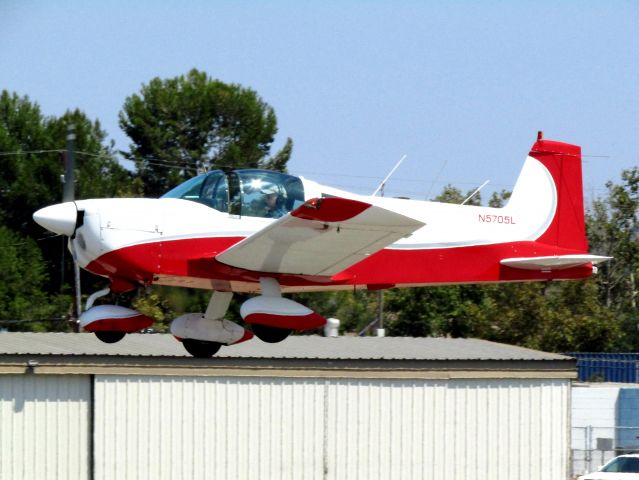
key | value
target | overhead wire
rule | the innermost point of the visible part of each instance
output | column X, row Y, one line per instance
column 174, row 165
column 30, row 152
column 11, row 321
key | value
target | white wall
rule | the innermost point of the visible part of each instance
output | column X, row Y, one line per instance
column 242, row 427
column 594, row 406
column 44, row 427
column 594, row 415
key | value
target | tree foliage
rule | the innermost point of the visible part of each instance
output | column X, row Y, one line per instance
column 192, row 122
column 612, row 226
column 32, row 162
column 24, row 303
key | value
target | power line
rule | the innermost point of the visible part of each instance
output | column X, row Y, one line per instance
column 174, row 165
column 30, row 152
column 16, row 321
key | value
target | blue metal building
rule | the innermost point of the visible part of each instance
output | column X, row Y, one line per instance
column 607, row 367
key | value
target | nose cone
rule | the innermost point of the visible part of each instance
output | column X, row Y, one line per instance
column 60, row 218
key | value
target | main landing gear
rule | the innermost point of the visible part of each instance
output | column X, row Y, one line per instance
column 203, row 334
column 110, row 336
column 272, row 319
column 201, row 348
column 270, row 334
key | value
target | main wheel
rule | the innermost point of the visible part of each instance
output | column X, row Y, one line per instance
column 201, row 348
column 270, row 334
column 110, row 336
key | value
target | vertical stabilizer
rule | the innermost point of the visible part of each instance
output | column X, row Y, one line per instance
column 563, row 162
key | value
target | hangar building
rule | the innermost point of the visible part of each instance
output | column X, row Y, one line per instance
column 308, row 408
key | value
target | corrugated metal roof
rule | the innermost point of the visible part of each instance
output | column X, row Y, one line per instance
column 295, row 347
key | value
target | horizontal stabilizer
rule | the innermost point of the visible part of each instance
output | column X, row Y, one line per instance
column 553, row 262
column 322, row 237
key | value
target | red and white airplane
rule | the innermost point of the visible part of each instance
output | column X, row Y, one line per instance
column 218, row 231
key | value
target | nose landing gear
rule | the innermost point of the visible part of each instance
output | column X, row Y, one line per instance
column 111, row 323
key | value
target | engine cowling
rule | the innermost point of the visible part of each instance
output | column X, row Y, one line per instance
column 113, row 318
column 195, row 326
column 280, row 312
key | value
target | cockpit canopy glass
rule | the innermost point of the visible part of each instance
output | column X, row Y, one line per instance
column 251, row 192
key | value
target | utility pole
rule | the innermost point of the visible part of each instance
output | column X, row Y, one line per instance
column 380, row 294
column 381, row 331
column 69, row 196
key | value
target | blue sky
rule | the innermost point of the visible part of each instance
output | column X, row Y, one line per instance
column 460, row 87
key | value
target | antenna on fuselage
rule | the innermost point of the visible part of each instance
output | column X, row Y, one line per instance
column 381, row 185
column 476, row 191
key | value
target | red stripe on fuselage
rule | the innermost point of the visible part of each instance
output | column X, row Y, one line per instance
column 470, row 264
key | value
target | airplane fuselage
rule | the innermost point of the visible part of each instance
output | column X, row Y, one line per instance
column 171, row 241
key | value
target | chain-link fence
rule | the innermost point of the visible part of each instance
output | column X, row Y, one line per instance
column 593, row 446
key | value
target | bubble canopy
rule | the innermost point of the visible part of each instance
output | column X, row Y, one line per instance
column 250, row 192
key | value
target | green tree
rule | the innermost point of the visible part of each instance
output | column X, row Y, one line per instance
column 189, row 123
column 612, row 230
column 32, row 148
column 577, row 320
column 24, row 305
column 498, row 200
column 451, row 194
column 32, row 159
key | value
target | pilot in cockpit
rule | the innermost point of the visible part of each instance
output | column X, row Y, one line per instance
column 271, row 204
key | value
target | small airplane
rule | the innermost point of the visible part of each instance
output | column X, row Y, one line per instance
column 268, row 233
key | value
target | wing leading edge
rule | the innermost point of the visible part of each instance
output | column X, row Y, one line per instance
column 320, row 238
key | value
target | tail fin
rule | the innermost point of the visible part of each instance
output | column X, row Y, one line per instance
column 562, row 162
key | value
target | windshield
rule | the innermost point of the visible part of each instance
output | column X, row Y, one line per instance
column 211, row 189
column 189, row 190
column 623, row 464
column 251, row 192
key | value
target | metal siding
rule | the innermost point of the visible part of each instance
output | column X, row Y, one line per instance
column 44, row 426
column 627, row 419
column 608, row 367
column 241, row 427
column 203, row 427
column 458, row 429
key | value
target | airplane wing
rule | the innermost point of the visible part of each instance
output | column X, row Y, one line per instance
column 322, row 237
column 553, row 262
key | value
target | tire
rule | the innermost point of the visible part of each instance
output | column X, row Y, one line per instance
column 270, row 334
column 201, row 348
column 110, row 336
